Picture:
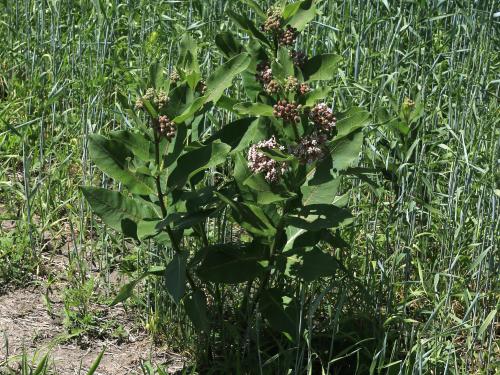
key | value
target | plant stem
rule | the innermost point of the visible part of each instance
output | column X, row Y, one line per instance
column 173, row 240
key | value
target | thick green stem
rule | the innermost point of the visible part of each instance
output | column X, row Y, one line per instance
column 173, row 240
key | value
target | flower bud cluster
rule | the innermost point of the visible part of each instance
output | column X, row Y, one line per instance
column 287, row 37
column 159, row 98
column 323, row 118
column 174, row 77
column 258, row 162
column 201, row 87
column 408, row 103
column 311, row 148
column 304, row 88
column 298, row 57
column 273, row 21
column 272, row 87
column 291, row 84
column 264, row 73
column 166, row 127
column 289, row 112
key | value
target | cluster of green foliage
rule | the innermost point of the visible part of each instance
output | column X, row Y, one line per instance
column 414, row 289
column 289, row 228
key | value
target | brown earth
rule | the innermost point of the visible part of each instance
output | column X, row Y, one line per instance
column 28, row 323
column 25, row 324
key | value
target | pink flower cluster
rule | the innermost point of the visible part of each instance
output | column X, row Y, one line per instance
column 166, row 128
column 323, row 118
column 298, row 57
column 311, row 148
column 264, row 73
column 258, row 162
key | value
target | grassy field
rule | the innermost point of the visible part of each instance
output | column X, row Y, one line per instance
column 423, row 259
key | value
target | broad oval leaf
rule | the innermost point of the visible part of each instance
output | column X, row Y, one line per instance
column 196, row 308
column 137, row 143
column 299, row 15
column 231, row 264
column 319, row 216
column 324, row 193
column 253, row 109
column 232, row 133
column 248, row 26
column 281, row 312
column 351, row 120
column 314, row 264
column 118, row 211
column 223, row 76
column 228, row 44
column 345, row 151
column 112, row 158
column 321, row 67
column 197, row 160
column 251, row 217
column 175, row 275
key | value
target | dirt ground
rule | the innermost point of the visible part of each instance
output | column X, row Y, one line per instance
column 26, row 323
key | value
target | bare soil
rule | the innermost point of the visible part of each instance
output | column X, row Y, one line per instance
column 28, row 324
column 25, row 324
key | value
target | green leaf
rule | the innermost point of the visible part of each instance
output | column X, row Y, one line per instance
column 314, row 264
column 302, row 15
column 399, row 126
column 276, row 154
column 175, row 275
column 223, row 76
column 253, row 109
column 137, row 143
column 255, row 6
column 156, row 75
column 300, row 238
column 119, row 212
column 264, row 192
column 228, row 44
column 41, row 369
column 181, row 98
column 247, row 25
column 292, row 235
column 281, row 312
column 185, row 220
column 283, row 67
column 319, row 216
column 191, row 110
column 351, row 120
column 96, row 363
column 251, row 85
column 231, row 264
column 148, row 228
column 197, row 160
column 320, row 194
column 484, row 326
column 250, row 217
column 126, row 291
column 290, row 10
column 232, row 133
column 345, row 151
column 112, row 158
column 227, row 103
column 196, row 308
column 188, row 60
column 321, row 67
column 256, row 132
column 315, row 95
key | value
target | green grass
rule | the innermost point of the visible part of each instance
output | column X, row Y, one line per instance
column 425, row 252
